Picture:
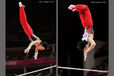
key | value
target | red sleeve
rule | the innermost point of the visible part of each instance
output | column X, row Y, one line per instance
column 80, row 7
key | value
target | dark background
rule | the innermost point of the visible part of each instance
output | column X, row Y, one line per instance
column 71, row 30
column 41, row 16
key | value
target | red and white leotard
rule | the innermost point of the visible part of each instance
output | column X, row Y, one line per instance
column 85, row 35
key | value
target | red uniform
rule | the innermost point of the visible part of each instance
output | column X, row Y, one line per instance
column 28, row 30
column 84, row 14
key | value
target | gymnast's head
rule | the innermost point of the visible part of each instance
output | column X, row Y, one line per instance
column 82, row 45
column 43, row 45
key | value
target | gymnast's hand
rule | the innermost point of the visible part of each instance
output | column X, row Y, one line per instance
column 26, row 50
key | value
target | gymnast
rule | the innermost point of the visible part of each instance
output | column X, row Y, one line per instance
column 87, row 43
column 29, row 32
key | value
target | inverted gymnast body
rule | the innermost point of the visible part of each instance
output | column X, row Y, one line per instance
column 87, row 43
column 29, row 32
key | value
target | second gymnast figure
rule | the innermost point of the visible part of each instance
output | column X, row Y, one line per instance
column 87, row 43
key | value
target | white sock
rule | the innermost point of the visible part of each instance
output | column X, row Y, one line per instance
column 20, row 4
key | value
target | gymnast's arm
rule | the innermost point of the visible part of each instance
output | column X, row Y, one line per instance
column 31, row 44
column 92, row 43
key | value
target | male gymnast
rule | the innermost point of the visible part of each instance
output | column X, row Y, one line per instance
column 87, row 43
column 29, row 32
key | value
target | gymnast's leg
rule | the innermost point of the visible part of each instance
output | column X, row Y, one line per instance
column 23, row 20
